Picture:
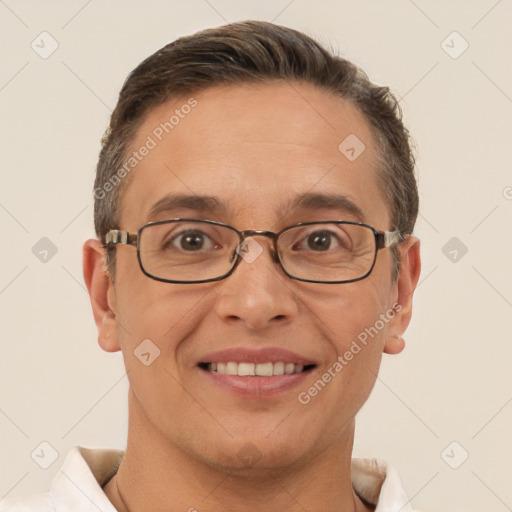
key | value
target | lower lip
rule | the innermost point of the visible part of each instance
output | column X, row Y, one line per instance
column 256, row 386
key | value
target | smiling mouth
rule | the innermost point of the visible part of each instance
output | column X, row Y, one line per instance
column 246, row 369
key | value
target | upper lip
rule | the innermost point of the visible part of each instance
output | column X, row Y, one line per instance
column 256, row 356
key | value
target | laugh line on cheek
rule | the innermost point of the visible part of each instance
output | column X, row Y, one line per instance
column 357, row 346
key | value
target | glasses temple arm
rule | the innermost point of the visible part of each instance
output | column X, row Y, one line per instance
column 389, row 238
column 116, row 237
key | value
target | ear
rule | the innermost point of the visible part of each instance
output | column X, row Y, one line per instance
column 101, row 293
column 409, row 273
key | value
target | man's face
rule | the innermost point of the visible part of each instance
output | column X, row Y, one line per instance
column 256, row 149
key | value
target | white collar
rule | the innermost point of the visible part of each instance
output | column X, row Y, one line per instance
column 377, row 482
column 78, row 485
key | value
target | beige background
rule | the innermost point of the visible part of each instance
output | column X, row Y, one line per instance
column 452, row 383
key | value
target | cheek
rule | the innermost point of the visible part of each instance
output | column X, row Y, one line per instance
column 155, row 322
column 158, row 311
column 147, row 308
column 153, row 319
column 352, row 312
column 354, row 332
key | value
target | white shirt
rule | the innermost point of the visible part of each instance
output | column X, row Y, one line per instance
column 77, row 487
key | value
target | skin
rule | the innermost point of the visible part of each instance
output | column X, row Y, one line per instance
column 255, row 147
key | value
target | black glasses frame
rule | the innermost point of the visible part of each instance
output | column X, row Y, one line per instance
column 383, row 239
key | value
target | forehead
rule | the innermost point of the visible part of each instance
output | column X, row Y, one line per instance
column 256, row 150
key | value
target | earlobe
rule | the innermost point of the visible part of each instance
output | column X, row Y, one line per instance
column 101, row 293
column 410, row 268
column 394, row 344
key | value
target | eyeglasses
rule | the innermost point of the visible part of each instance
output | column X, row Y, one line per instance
column 200, row 251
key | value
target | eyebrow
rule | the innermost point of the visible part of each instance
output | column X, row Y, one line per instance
column 201, row 204
column 321, row 201
column 213, row 205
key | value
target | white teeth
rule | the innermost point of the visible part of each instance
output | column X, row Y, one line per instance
column 264, row 369
column 245, row 368
column 232, row 368
column 260, row 369
column 279, row 368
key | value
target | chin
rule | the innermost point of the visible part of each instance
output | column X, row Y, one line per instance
column 249, row 454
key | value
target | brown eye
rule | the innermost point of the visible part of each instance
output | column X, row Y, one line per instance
column 320, row 240
column 323, row 240
column 191, row 241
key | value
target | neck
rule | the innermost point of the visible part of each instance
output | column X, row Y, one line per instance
column 155, row 473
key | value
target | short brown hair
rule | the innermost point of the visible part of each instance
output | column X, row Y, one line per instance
column 254, row 52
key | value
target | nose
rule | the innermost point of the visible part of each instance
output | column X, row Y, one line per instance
column 258, row 293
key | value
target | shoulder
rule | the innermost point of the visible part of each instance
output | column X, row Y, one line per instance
column 379, row 483
column 40, row 502
column 77, row 484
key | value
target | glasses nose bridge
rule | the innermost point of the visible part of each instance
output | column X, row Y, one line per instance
column 249, row 233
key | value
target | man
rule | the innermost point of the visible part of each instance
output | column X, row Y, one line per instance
column 254, row 202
